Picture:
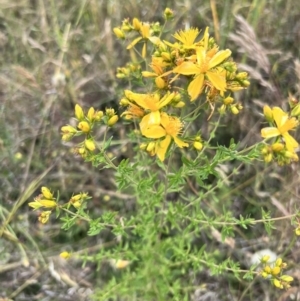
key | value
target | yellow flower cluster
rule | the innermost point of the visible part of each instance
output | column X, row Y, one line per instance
column 275, row 272
column 44, row 200
column 283, row 148
column 78, row 199
column 207, row 70
column 85, row 125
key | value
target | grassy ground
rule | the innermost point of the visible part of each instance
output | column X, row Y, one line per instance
column 55, row 54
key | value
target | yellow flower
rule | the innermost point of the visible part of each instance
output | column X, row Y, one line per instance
column 205, row 65
column 46, row 193
column 168, row 14
column 187, row 37
column 119, row 263
column 152, row 103
column 283, row 125
column 157, row 65
column 119, row 33
column 78, row 199
column 39, row 203
column 84, row 126
column 79, row 112
column 44, row 217
column 65, row 255
column 112, row 120
column 268, row 113
column 169, row 127
column 287, row 278
column 277, row 283
column 68, row 132
column 275, row 271
column 198, row 145
column 265, row 259
column 133, row 111
column 90, row 144
column 144, row 29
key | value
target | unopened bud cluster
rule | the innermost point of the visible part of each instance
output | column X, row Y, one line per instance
column 85, row 125
column 274, row 272
column 45, row 200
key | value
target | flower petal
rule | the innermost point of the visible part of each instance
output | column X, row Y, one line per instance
column 134, row 42
column 290, row 142
column 154, row 131
column 217, row 79
column 269, row 132
column 279, row 116
column 179, row 142
column 218, row 58
column 187, row 68
column 150, row 119
column 288, row 125
column 162, row 148
column 195, row 87
column 164, row 119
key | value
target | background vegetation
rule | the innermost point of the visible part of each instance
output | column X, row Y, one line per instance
column 55, row 54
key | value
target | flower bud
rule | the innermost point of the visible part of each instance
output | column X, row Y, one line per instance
column 291, row 155
column 113, row 120
column 265, row 259
column 166, row 56
column 264, row 274
column 268, row 113
column 198, row 145
column 81, row 151
column 278, row 262
column 120, row 264
column 84, row 126
column 160, row 83
column 277, row 283
column 267, row 269
column 119, row 33
column 287, row 278
column 143, row 146
column 148, row 74
column 65, row 255
column 268, row 158
column 150, row 146
column 44, row 217
column 68, row 129
column 110, row 112
column 90, row 144
column 277, row 147
column 265, row 150
column 124, row 102
column 90, row 114
column 296, row 111
column 246, row 83
column 46, row 193
column 222, row 109
column 228, row 101
column 168, row 14
column 136, row 24
column 79, row 112
column 234, row 110
column 98, row 115
column 275, row 271
column 179, row 104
